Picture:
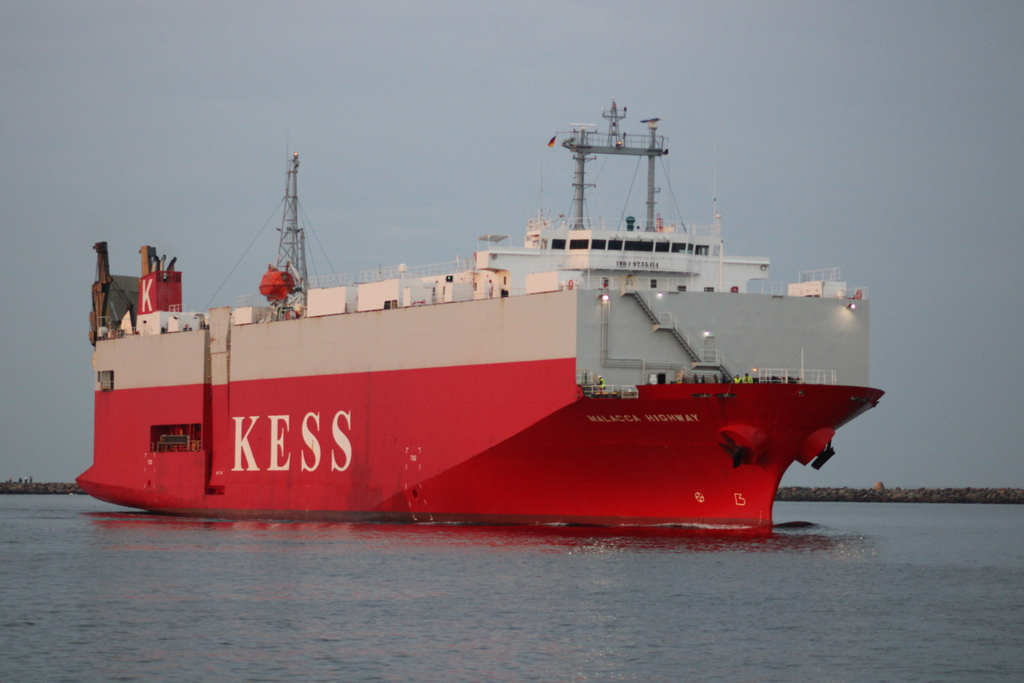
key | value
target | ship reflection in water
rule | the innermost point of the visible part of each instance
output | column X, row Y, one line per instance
column 798, row 537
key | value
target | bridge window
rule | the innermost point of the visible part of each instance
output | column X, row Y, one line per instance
column 661, row 246
column 614, row 244
column 558, row 244
column 597, row 244
column 678, row 247
column 639, row 245
column 579, row 244
column 702, row 250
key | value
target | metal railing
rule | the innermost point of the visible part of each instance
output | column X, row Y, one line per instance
column 459, row 265
column 325, row 281
column 782, row 289
column 611, row 391
column 183, row 446
column 103, row 323
column 596, row 138
column 826, row 274
column 767, row 287
column 794, row 376
column 701, row 354
column 632, row 283
column 618, row 225
column 246, row 300
column 117, row 332
column 668, row 320
column 856, row 293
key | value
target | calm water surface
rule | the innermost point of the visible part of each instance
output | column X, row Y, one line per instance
column 872, row 592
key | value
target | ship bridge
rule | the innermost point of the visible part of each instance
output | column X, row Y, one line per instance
column 690, row 258
column 584, row 250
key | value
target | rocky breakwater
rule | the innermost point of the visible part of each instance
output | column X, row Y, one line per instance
column 880, row 494
column 52, row 488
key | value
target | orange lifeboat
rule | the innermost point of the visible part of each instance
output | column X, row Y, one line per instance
column 276, row 284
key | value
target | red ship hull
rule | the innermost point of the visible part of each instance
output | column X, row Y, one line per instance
column 496, row 443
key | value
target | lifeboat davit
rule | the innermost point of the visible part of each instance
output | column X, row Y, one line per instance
column 276, row 284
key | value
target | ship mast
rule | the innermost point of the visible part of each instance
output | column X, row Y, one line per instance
column 291, row 250
column 583, row 143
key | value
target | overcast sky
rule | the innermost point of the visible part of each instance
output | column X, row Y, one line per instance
column 884, row 138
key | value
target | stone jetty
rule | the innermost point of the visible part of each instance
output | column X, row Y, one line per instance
column 52, row 488
column 880, row 494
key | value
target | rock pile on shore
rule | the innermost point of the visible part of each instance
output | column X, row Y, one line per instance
column 27, row 488
column 880, row 494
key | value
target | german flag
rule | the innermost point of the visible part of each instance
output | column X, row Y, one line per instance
column 551, row 143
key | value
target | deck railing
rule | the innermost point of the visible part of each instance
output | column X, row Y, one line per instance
column 390, row 272
column 611, row 391
column 794, row 376
column 333, row 280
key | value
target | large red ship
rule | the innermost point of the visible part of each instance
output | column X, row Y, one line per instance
column 630, row 373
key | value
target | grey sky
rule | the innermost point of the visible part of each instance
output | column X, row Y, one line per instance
column 884, row 138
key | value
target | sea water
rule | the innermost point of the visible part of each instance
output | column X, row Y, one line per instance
column 870, row 592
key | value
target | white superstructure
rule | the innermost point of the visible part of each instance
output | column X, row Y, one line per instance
column 653, row 300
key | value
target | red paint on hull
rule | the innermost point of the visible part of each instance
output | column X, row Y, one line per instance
column 506, row 443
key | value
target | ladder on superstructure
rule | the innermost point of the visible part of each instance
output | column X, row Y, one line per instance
column 707, row 362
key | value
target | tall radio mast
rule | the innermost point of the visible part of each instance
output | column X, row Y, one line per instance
column 291, row 250
column 284, row 283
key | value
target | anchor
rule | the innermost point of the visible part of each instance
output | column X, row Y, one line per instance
column 823, row 457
